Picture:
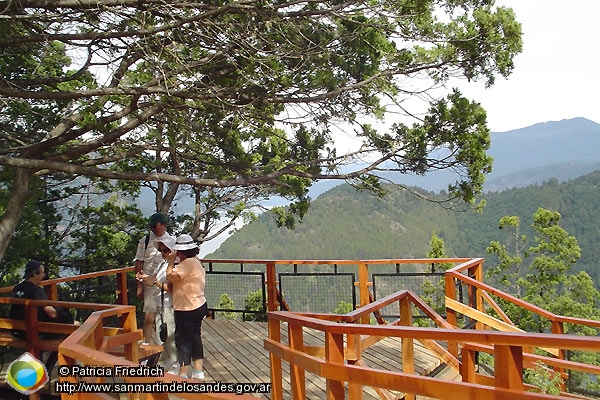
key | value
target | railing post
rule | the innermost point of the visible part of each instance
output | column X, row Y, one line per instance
column 129, row 324
column 122, row 290
column 275, row 362
column 355, row 391
column 32, row 330
column 334, row 354
column 62, row 360
column 450, row 288
column 558, row 328
column 363, row 285
column 297, row 376
column 272, row 303
column 475, row 297
column 51, row 291
column 508, row 367
column 408, row 350
column 468, row 366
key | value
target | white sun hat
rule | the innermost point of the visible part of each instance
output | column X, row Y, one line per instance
column 185, row 242
column 167, row 240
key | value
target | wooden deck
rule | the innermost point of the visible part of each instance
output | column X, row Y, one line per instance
column 234, row 353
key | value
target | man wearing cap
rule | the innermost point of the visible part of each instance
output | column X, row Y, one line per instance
column 147, row 259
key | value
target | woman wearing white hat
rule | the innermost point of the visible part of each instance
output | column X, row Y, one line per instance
column 188, row 279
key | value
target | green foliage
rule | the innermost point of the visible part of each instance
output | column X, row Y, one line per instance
column 226, row 303
column 107, row 237
column 344, row 223
column 244, row 102
column 432, row 293
column 544, row 378
column 541, row 276
column 343, row 308
column 254, row 302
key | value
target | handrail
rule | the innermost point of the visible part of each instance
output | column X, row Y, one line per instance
column 83, row 347
column 345, row 336
column 550, row 316
column 507, row 349
column 51, row 285
column 564, row 341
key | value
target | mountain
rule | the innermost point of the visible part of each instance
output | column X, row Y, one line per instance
column 562, row 149
column 343, row 223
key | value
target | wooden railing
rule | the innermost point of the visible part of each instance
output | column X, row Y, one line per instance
column 345, row 337
column 340, row 371
column 88, row 346
column 51, row 285
column 275, row 300
column 92, row 343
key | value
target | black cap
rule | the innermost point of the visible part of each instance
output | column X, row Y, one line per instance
column 31, row 268
column 157, row 218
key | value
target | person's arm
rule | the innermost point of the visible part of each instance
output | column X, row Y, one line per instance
column 139, row 264
column 140, row 255
column 39, row 294
column 172, row 276
column 50, row 312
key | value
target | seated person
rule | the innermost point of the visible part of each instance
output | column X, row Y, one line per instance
column 30, row 289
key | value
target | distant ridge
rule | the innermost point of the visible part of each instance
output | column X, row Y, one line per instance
column 562, row 149
column 570, row 141
column 343, row 223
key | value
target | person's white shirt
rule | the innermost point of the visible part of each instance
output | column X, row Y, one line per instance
column 149, row 254
column 161, row 276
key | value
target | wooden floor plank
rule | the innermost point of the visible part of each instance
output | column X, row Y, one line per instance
column 235, row 353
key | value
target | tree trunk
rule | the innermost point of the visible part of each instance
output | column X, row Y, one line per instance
column 19, row 193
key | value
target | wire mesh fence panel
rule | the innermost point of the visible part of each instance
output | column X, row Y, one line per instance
column 231, row 291
column 318, row 292
column 428, row 286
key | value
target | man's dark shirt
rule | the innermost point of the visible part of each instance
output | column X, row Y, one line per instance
column 27, row 290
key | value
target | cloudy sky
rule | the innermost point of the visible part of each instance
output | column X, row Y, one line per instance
column 557, row 74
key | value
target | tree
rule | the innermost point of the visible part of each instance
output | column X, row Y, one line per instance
column 243, row 94
column 227, row 303
column 105, row 236
column 254, row 302
column 540, row 275
column 434, row 290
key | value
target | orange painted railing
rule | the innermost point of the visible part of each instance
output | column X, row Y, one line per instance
column 92, row 343
column 345, row 337
column 507, row 348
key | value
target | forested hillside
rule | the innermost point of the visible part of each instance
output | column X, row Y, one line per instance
column 344, row 223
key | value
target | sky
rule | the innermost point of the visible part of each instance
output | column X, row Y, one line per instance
column 557, row 75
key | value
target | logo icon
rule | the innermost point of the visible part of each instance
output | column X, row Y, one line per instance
column 26, row 374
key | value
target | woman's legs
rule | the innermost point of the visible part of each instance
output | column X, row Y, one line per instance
column 198, row 348
column 187, row 338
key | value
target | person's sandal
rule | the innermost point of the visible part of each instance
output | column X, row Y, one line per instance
column 195, row 374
